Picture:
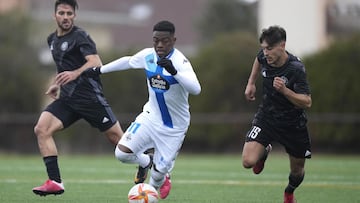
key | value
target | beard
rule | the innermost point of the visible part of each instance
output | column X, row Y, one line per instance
column 65, row 26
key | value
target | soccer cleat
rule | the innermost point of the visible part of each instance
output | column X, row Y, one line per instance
column 50, row 187
column 165, row 187
column 141, row 174
column 289, row 198
column 259, row 166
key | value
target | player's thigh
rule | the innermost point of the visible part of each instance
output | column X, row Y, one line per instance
column 257, row 138
column 47, row 124
column 61, row 111
column 296, row 142
column 97, row 115
column 137, row 137
column 56, row 116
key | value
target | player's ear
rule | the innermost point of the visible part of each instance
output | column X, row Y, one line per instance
column 282, row 44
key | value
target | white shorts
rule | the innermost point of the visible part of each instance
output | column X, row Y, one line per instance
column 142, row 134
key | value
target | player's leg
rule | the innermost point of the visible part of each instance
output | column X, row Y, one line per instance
column 55, row 117
column 145, row 161
column 255, row 150
column 131, row 147
column 298, row 146
column 166, row 150
column 161, row 181
column 296, row 177
column 44, row 130
column 102, row 117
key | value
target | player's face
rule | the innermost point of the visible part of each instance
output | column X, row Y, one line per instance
column 64, row 17
column 163, row 42
column 274, row 53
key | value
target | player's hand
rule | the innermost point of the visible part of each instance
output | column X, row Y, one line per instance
column 66, row 77
column 92, row 72
column 250, row 92
column 279, row 84
column 167, row 64
column 53, row 91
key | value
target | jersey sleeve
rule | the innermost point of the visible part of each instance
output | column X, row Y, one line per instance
column 301, row 86
column 50, row 39
column 186, row 76
column 137, row 61
column 86, row 45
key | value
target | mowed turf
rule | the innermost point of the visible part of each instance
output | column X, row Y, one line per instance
column 196, row 179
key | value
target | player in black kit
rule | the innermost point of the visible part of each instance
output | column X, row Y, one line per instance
column 281, row 116
column 76, row 95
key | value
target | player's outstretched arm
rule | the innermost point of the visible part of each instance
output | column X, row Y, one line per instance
column 117, row 65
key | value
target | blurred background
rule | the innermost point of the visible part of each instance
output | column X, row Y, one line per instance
column 221, row 40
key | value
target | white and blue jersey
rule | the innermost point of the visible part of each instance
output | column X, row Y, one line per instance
column 168, row 95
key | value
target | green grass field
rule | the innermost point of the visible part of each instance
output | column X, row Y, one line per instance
column 196, row 179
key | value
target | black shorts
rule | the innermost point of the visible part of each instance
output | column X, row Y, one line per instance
column 96, row 114
column 296, row 141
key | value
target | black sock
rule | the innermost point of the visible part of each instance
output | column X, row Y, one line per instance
column 294, row 182
column 52, row 168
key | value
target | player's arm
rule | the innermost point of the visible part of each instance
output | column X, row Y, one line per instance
column 250, row 89
column 183, row 73
column 187, row 79
column 300, row 100
column 117, row 65
column 53, row 91
column 65, row 77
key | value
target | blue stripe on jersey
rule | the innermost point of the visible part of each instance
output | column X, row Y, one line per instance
column 156, row 71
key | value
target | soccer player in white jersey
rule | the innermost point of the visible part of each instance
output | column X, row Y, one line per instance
column 165, row 117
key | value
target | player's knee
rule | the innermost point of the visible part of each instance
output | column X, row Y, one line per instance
column 39, row 131
column 124, row 157
column 247, row 163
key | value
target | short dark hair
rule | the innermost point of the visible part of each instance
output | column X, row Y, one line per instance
column 72, row 3
column 272, row 35
column 165, row 26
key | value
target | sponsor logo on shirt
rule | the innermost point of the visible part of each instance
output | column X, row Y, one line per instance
column 159, row 83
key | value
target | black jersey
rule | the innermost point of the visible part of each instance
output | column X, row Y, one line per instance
column 69, row 52
column 276, row 109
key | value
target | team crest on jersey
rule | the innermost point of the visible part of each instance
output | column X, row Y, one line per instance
column 158, row 83
column 285, row 79
column 64, row 46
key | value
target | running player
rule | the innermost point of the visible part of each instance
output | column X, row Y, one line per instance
column 165, row 117
column 281, row 116
column 80, row 96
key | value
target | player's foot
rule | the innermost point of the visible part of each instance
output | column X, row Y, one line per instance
column 50, row 187
column 289, row 198
column 165, row 187
column 141, row 174
column 259, row 166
